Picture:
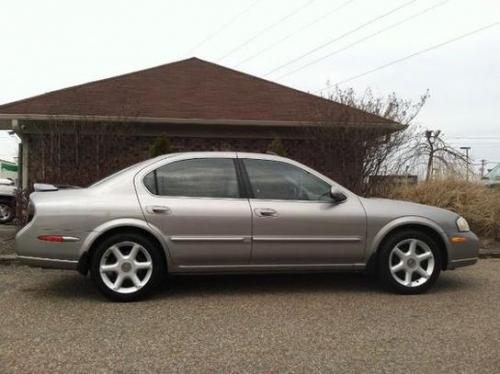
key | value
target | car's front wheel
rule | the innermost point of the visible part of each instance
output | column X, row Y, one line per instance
column 126, row 267
column 409, row 262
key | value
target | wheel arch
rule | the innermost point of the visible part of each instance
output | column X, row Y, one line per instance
column 428, row 227
column 9, row 198
column 109, row 229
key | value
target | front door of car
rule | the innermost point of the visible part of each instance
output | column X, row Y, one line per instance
column 295, row 221
column 196, row 204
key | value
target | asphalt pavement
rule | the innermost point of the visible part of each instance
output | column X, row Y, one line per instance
column 56, row 321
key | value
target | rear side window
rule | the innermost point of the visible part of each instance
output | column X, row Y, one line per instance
column 208, row 177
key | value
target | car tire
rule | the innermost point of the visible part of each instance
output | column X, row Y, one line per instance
column 409, row 262
column 127, row 267
column 7, row 209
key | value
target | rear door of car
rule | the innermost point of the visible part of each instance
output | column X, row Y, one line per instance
column 295, row 222
column 198, row 205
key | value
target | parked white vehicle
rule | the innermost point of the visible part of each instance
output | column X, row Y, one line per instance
column 492, row 179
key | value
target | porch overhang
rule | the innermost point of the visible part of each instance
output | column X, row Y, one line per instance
column 6, row 121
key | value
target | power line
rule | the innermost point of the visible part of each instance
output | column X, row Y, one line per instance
column 285, row 38
column 417, row 53
column 266, row 29
column 364, row 39
column 487, row 162
column 473, row 137
column 224, row 26
column 480, row 144
column 340, row 37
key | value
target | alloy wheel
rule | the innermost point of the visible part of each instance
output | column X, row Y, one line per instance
column 411, row 262
column 126, row 267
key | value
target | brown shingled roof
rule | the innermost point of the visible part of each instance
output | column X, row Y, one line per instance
column 187, row 89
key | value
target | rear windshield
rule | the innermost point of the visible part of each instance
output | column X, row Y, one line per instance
column 99, row 182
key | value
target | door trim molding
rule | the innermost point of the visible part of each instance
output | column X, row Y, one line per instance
column 307, row 239
column 271, row 267
column 209, row 238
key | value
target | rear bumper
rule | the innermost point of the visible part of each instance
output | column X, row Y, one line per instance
column 34, row 252
column 48, row 262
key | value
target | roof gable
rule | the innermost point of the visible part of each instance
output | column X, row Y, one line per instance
column 187, row 89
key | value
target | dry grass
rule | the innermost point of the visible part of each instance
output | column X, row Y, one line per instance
column 478, row 204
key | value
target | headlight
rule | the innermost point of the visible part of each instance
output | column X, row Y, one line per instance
column 462, row 224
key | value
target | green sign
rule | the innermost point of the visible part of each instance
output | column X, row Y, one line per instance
column 9, row 167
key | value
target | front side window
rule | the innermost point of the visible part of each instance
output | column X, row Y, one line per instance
column 210, row 177
column 281, row 181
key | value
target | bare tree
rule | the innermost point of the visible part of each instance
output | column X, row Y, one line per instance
column 351, row 152
column 431, row 147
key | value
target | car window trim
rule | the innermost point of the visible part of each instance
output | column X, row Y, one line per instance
column 243, row 179
column 155, row 178
column 250, row 188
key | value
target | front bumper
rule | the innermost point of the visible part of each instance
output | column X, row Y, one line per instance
column 463, row 254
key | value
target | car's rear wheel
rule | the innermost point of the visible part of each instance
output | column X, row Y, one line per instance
column 126, row 267
column 409, row 262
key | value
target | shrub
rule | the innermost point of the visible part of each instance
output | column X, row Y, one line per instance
column 160, row 147
column 478, row 204
column 276, row 147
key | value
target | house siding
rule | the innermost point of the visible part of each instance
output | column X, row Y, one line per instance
column 62, row 160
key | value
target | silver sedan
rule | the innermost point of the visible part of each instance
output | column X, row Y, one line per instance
column 216, row 212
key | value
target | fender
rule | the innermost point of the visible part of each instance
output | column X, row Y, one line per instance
column 374, row 243
column 125, row 222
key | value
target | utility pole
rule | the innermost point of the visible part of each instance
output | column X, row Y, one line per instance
column 466, row 149
column 483, row 167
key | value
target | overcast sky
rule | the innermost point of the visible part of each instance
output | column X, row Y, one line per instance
column 47, row 45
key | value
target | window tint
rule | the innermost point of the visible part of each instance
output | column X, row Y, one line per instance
column 214, row 177
column 281, row 181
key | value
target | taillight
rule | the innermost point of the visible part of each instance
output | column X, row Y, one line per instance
column 58, row 238
column 52, row 238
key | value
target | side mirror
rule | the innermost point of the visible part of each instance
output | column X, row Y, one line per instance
column 337, row 196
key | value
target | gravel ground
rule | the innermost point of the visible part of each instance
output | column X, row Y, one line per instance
column 56, row 321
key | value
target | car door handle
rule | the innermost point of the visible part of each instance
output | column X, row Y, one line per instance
column 266, row 212
column 158, row 209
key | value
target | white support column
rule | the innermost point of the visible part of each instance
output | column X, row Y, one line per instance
column 22, row 158
column 24, row 166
